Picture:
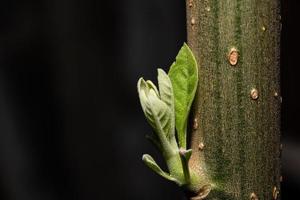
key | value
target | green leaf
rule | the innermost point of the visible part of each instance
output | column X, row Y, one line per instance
column 150, row 162
column 156, row 111
column 184, row 77
column 152, row 86
column 166, row 95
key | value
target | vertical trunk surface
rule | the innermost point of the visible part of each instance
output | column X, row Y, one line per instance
column 236, row 113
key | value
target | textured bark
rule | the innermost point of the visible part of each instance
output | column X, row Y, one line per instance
column 239, row 134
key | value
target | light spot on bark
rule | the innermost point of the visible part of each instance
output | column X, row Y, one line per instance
column 201, row 146
column 193, row 21
column 254, row 94
column 275, row 193
column 195, row 124
column 233, row 56
column 253, row 196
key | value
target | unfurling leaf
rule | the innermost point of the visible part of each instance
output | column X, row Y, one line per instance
column 184, row 77
column 150, row 162
column 166, row 95
column 157, row 112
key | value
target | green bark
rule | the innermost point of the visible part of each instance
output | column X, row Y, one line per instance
column 235, row 134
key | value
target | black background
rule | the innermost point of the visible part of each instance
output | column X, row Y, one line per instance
column 71, row 126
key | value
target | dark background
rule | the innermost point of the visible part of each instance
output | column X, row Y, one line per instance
column 71, row 126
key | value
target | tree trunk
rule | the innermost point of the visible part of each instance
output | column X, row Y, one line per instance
column 235, row 133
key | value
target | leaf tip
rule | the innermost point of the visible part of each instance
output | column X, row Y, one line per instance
column 141, row 79
column 159, row 70
column 145, row 157
column 161, row 73
column 140, row 82
column 185, row 44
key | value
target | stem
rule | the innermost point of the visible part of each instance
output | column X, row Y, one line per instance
column 236, row 112
column 184, row 161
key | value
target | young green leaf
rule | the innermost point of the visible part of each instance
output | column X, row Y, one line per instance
column 150, row 162
column 156, row 111
column 184, row 77
column 166, row 95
